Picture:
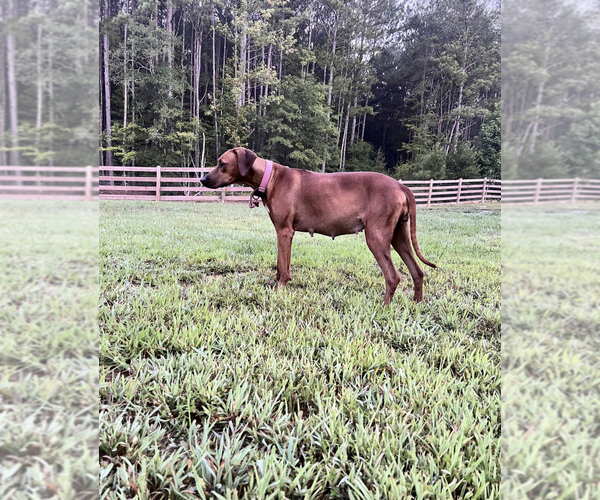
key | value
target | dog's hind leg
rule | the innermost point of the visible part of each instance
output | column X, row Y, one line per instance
column 401, row 243
column 379, row 243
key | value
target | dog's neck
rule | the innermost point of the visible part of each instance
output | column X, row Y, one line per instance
column 255, row 175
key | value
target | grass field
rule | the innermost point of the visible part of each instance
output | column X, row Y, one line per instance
column 551, row 352
column 212, row 385
column 48, row 350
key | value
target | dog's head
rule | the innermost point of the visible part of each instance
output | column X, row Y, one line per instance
column 232, row 167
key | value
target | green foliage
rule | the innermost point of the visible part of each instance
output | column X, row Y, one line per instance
column 363, row 157
column 551, row 81
column 438, row 163
column 430, row 165
column 488, row 146
column 453, row 85
column 296, row 124
column 582, row 147
column 547, row 160
column 214, row 385
column 463, row 163
column 510, row 164
column 394, row 74
column 64, row 65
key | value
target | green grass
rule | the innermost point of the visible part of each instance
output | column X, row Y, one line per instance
column 551, row 352
column 213, row 385
column 48, row 350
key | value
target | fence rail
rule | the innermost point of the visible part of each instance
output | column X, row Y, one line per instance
column 550, row 191
column 183, row 184
column 49, row 183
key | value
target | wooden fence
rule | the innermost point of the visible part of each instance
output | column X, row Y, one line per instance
column 49, row 183
column 550, row 191
column 451, row 192
column 183, row 184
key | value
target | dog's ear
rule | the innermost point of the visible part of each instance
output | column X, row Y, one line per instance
column 245, row 159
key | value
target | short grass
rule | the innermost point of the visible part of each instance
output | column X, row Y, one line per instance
column 48, row 350
column 551, row 352
column 213, row 385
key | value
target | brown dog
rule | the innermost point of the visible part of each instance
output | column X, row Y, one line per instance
column 330, row 204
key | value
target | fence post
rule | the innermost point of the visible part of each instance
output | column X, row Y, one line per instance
column 222, row 195
column 157, row 182
column 575, row 187
column 459, row 190
column 538, row 189
column 88, row 183
column 484, row 189
column 430, row 192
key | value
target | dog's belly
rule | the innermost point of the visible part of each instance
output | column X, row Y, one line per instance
column 331, row 228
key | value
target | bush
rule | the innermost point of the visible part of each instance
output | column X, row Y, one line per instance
column 431, row 165
column 462, row 163
column 548, row 160
column 362, row 156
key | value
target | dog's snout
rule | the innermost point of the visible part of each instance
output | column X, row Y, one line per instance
column 203, row 179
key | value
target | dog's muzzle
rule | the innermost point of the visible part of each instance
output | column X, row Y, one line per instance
column 207, row 182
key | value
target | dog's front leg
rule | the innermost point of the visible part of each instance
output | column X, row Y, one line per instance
column 284, row 255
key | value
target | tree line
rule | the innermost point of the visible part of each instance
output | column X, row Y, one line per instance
column 48, row 82
column 551, row 89
column 318, row 84
column 411, row 90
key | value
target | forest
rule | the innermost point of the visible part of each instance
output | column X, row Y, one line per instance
column 550, row 89
column 413, row 91
column 409, row 89
column 49, row 82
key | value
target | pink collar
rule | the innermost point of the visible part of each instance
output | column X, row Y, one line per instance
column 254, row 198
column 266, row 176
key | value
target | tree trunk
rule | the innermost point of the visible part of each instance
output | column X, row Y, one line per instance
column 170, row 46
column 197, row 70
column 156, row 2
column 456, row 126
column 224, row 65
column 524, row 139
column 536, row 117
column 330, row 89
column 309, row 46
column 269, row 65
column 248, row 85
column 353, row 123
column 345, row 139
column 15, row 158
column 132, row 84
column 125, row 91
column 40, row 90
column 100, row 110
column 3, row 158
column 182, row 61
column 262, row 86
column 214, row 81
column 243, row 53
column 362, row 135
column 105, row 54
column 280, row 62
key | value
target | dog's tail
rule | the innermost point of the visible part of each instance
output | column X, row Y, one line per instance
column 412, row 211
